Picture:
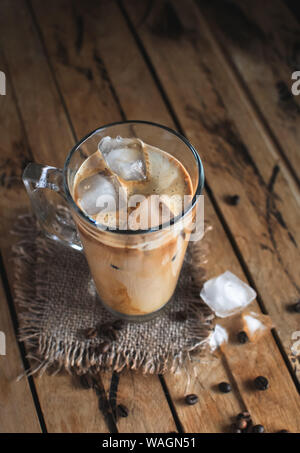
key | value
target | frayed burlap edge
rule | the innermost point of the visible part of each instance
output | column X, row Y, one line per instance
column 46, row 353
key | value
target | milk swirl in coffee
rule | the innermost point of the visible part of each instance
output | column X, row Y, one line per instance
column 129, row 185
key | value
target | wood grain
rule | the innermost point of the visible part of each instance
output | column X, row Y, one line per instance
column 17, row 409
column 14, row 154
column 263, row 44
column 143, row 396
column 237, row 154
column 110, row 86
column 29, row 81
column 276, row 407
column 102, row 107
column 107, row 46
column 69, row 410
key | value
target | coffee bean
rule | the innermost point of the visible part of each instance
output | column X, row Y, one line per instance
column 249, row 426
column 296, row 307
column 244, row 414
column 118, row 324
column 101, row 328
column 91, row 333
column 111, row 334
column 86, row 381
column 242, row 337
column 261, row 383
column 122, row 411
column 233, row 200
column 180, row 316
column 224, row 387
column 258, row 429
column 107, row 331
column 191, row 399
column 242, row 423
column 102, row 348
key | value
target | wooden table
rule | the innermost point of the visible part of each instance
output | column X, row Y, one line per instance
column 220, row 73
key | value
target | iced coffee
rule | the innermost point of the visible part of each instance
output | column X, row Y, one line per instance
column 133, row 192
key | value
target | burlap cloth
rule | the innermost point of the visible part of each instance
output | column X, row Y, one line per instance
column 57, row 302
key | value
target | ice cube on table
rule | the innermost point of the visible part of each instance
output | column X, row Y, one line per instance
column 125, row 157
column 96, row 190
column 256, row 325
column 218, row 337
column 253, row 324
column 226, row 294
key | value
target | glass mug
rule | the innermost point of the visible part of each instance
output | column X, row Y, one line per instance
column 135, row 271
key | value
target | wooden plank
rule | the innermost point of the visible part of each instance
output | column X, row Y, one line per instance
column 142, row 395
column 276, row 408
column 195, row 421
column 107, row 45
column 62, row 29
column 17, row 409
column 78, row 68
column 214, row 412
column 44, row 115
column 263, row 44
column 101, row 104
column 45, row 120
column 14, row 153
column 65, row 409
column 238, row 156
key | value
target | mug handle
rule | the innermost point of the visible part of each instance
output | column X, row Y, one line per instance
column 44, row 186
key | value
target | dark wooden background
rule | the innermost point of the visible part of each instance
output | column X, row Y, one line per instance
column 220, row 73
